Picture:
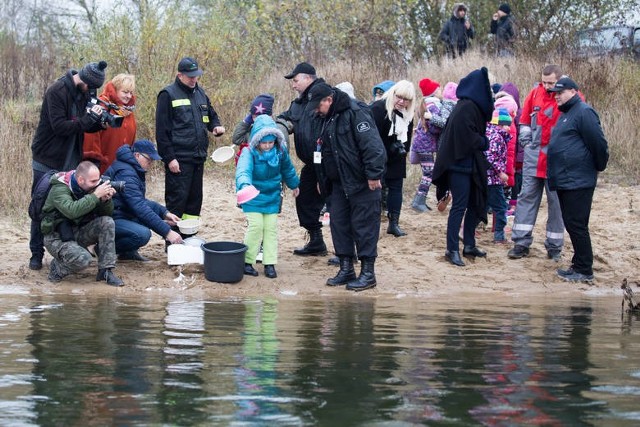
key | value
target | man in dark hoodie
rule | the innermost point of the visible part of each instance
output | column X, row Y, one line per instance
column 461, row 166
column 350, row 160
column 457, row 31
column 302, row 123
column 502, row 28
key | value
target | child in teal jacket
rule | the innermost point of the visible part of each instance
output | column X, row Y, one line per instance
column 265, row 165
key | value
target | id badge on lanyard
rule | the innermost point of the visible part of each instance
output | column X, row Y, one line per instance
column 317, row 155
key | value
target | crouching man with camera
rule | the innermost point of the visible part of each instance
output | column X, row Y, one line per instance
column 77, row 214
column 134, row 215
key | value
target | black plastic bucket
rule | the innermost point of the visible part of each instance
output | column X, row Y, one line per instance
column 224, row 261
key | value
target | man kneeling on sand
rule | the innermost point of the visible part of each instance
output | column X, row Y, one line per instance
column 77, row 214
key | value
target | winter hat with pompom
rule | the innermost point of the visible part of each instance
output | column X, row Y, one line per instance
column 93, row 74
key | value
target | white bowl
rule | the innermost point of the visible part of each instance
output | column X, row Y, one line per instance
column 223, row 154
column 189, row 226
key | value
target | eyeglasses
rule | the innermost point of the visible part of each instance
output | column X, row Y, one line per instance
column 145, row 156
column 403, row 99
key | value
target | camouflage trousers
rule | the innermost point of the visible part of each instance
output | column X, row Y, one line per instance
column 73, row 256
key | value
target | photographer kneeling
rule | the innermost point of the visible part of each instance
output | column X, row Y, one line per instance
column 133, row 214
column 77, row 214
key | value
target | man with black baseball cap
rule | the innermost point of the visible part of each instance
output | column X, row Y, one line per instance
column 577, row 151
column 184, row 116
column 305, row 127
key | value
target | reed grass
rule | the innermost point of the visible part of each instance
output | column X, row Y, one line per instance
column 612, row 87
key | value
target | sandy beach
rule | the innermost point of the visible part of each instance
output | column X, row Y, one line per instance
column 413, row 265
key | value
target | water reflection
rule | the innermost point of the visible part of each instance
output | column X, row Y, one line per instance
column 81, row 360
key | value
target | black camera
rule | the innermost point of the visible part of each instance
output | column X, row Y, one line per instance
column 116, row 185
column 106, row 117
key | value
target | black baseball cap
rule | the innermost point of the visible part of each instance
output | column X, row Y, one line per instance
column 562, row 84
column 317, row 93
column 189, row 67
column 304, row 68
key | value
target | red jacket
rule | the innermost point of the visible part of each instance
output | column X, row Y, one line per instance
column 102, row 146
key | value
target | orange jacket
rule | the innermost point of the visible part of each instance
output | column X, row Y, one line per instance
column 102, row 146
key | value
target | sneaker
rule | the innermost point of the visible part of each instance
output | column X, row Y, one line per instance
column 35, row 263
column 105, row 274
column 55, row 275
column 518, row 251
column 569, row 271
column 554, row 255
column 576, row 277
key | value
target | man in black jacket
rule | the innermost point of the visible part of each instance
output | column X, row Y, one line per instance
column 302, row 123
column 184, row 115
column 350, row 159
column 457, row 31
column 578, row 150
column 57, row 143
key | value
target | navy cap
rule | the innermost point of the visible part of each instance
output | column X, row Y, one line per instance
column 317, row 93
column 564, row 83
column 304, row 68
column 189, row 67
column 144, row 146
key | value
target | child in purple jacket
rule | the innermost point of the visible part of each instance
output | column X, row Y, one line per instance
column 425, row 141
column 498, row 136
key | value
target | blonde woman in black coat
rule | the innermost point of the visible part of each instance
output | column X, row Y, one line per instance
column 393, row 115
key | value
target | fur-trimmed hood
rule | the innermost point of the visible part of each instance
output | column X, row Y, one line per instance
column 263, row 125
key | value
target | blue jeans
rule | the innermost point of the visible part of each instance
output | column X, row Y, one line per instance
column 130, row 235
column 498, row 204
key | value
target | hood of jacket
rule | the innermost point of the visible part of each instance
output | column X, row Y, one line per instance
column 385, row 86
column 341, row 102
column 264, row 125
column 475, row 86
column 456, row 9
column 110, row 94
column 125, row 155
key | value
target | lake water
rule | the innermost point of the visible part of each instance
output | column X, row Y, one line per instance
column 90, row 360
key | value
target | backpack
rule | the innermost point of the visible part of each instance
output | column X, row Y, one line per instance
column 39, row 196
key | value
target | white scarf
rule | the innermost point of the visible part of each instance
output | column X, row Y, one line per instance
column 400, row 127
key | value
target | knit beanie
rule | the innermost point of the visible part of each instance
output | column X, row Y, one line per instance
column 449, row 92
column 505, row 8
column 506, row 101
column 495, row 88
column 263, row 104
column 92, row 74
column 501, row 117
column 428, row 86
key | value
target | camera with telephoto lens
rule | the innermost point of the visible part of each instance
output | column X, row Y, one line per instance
column 106, row 117
column 116, row 185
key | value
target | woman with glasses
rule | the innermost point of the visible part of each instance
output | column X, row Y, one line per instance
column 393, row 115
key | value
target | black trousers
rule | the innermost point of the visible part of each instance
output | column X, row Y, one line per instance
column 183, row 191
column 576, row 210
column 309, row 202
column 355, row 220
column 461, row 188
column 36, row 239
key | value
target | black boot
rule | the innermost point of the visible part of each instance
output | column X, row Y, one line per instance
column 367, row 277
column 345, row 274
column 315, row 246
column 109, row 276
column 394, row 228
column 454, row 258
